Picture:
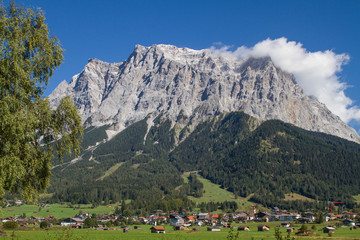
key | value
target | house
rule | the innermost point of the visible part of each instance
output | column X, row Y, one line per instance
column 349, row 222
column 176, row 220
column 78, row 220
column 181, row 228
column 227, row 226
column 349, row 215
column 285, row 224
column 329, row 217
column 202, row 216
column 157, row 229
column 143, row 220
column 243, row 228
column 329, row 230
column 68, row 222
column 198, row 223
column 290, row 229
column 284, row 216
column 275, row 209
column 213, row 229
column 190, row 218
column 262, row 217
column 263, row 228
column 309, row 216
column 213, row 217
column 244, row 217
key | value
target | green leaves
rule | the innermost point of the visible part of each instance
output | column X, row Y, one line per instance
column 29, row 129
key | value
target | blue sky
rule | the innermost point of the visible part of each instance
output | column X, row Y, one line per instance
column 109, row 29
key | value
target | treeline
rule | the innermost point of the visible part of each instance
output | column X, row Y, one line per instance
column 233, row 150
column 227, row 206
column 193, row 187
column 123, row 168
column 274, row 159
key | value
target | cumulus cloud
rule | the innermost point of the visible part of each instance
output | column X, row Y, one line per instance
column 316, row 72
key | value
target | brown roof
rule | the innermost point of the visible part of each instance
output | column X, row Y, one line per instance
column 159, row 228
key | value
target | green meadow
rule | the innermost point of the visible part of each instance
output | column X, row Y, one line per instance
column 213, row 192
column 57, row 210
column 144, row 233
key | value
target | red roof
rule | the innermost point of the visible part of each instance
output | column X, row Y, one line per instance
column 159, row 228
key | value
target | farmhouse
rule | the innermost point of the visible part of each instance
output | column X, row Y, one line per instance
column 262, row 217
column 68, row 222
column 202, row 216
column 349, row 222
column 176, row 220
column 283, row 216
column 285, row 224
column 329, row 230
column 243, row 228
column 309, row 216
column 157, row 230
column 213, row 229
column 263, row 228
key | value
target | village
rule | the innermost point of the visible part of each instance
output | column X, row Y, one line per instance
column 160, row 221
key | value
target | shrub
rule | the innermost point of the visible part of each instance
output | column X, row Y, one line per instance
column 10, row 225
column 44, row 224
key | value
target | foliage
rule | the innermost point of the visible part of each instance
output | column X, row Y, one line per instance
column 231, row 235
column 10, row 225
column 44, row 224
column 278, row 235
column 319, row 218
column 193, row 187
column 274, row 159
column 262, row 164
column 28, row 127
column 90, row 223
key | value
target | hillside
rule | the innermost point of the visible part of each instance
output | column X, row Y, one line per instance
column 240, row 153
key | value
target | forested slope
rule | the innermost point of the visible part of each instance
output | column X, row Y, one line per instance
column 234, row 150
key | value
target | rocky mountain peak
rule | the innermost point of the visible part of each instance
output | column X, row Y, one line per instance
column 170, row 81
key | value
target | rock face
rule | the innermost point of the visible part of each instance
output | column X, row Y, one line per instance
column 188, row 86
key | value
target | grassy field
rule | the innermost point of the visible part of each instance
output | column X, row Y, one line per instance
column 295, row 196
column 213, row 192
column 110, row 171
column 57, row 210
column 144, row 233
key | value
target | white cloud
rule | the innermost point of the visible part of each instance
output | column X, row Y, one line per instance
column 316, row 72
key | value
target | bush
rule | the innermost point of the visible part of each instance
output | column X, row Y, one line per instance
column 90, row 223
column 10, row 225
column 44, row 224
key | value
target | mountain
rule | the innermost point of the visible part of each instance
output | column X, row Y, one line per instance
column 243, row 124
column 263, row 160
column 164, row 79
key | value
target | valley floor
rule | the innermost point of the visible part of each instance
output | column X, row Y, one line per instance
column 144, row 233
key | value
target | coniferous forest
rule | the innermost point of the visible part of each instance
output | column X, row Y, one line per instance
column 266, row 159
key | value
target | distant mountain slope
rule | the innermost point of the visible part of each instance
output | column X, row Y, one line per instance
column 274, row 159
column 195, row 86
column 239, row 152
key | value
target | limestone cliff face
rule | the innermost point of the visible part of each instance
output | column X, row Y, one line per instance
column 196, row 85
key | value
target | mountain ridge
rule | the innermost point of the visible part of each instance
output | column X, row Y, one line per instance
column 166, row 80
